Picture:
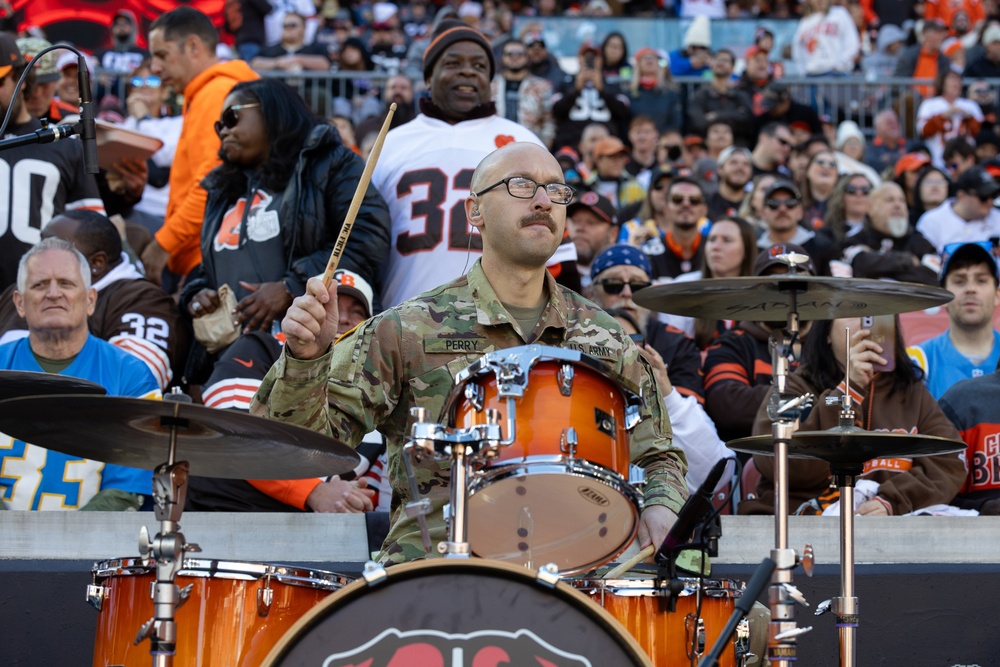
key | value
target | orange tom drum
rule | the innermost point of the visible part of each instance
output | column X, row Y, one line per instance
column 558, row 491
column 678, row 637
column 235, row 612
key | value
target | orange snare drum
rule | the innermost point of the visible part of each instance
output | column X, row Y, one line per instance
column 558, row 490
column 236, row 612
column 671, row 639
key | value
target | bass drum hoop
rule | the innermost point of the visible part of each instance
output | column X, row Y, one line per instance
column 227, row 569
column 563, row 590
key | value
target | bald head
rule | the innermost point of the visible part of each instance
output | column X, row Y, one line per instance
column 508, row 160
column 888, row 211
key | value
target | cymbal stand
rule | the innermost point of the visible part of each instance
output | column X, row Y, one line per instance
column 167, row 549
column 845, row 607
column 785, row 409
column 461, row 446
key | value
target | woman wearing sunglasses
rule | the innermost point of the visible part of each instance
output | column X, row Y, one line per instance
column 276, row 205
column 821, row 178
column 847, row 207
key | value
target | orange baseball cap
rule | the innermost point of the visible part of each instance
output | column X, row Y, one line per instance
column 911, row 162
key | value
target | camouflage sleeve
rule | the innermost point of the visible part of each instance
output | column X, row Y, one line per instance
column 294, row 391
column 652, row 440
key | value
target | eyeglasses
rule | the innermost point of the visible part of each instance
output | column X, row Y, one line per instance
column 230, row 118
column 615, row 285
column 146, row 81
column 693, row 200
column 775, row 204
column 515, row 54
column 291, row 26
column 522, row 187
column 863, row 190
column 826, row 163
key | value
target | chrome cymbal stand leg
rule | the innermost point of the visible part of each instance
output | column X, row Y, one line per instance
column 846, row 606
column 167, row 549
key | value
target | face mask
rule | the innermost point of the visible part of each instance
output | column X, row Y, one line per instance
column 897, row 226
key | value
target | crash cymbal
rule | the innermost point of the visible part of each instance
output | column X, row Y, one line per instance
column 847, row 449
column 136, row 432
column 16, row 384
column 768, row 298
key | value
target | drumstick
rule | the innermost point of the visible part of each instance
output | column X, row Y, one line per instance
column 621, row 569
column 359, row 195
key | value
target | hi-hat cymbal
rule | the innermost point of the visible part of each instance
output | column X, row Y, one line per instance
column 769, row 298
column 847, row 449
column 15, row 384
column 136, row 432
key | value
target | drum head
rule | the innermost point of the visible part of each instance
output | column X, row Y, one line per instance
column 565, row 513
column 428, row 612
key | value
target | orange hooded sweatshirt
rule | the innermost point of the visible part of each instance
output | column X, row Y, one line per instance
column 197, row 154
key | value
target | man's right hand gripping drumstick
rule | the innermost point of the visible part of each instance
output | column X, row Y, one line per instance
column 310, row 325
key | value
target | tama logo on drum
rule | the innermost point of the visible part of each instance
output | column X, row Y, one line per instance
column 484, row 648
column 593, row 496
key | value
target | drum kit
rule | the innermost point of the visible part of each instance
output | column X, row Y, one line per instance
column 542, row 493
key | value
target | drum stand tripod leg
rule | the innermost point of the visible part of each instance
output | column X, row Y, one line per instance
column 846, row 606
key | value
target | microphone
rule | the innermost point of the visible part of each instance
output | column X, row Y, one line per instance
column 88, row 130
column 694, row 510
column 753, row 590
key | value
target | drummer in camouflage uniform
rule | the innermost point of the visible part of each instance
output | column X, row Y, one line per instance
column 408, row 356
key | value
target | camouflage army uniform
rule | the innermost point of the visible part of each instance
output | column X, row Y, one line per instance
column 409, row 355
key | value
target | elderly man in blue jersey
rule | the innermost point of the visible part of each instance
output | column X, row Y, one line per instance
column 970, row 347
column 54, row 296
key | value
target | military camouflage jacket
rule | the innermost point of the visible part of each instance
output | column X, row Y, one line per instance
column 409, row 355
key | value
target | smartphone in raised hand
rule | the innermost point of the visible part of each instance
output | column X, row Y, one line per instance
column 883, row 328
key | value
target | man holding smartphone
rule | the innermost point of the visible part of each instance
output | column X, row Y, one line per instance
column 589, row 99
column 971, row 346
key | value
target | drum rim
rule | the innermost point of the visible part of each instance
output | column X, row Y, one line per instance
column 637, row 587
column 229, row 570
column 537, row 354
column 415, row 568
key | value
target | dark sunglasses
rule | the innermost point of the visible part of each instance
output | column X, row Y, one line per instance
column 146, row 81
column 615, row 286
column 230, row 117
column 775, row 204
column 858, row 189
column 695, row 200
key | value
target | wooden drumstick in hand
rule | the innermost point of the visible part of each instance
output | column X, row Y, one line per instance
column 359, row 196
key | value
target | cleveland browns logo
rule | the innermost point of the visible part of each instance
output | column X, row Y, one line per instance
column 502, row 140
column 260, row 226
column 485, row 648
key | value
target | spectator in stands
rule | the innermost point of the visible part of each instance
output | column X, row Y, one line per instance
column 183, row 43
column 735, row 170
column 738, row 365
column 591, row 135
column 907, row 170
column 730, row 251
column 521, row 96
column 123, row 55
column 614, row 58
column 618, row 273
column 987, row 149
column 947, row 12
column 826, row 40
column 642, row 135
column 971, row 405
column 888, row 144
column 652, row 93
column 387, row 45
column 695, row 56
column 847, row 208
column 720, row 100
column 817, row 186
column 753, row 202
column 774, row 142
column 652, row 214
column 39, row 96
column 983, row 94
column 925, row 60
column 588, row 99
column 292, row 53
column 542, row 63
column 851, row 140
column 777, row 106
column 398, row 91
column 929, row 192
column 971, row 346
column 782, row 213
column 882, row 64
column 888, row 246
column 958, row 156
column 947, row 115
column 609, row 177
column 274, row 210
column 894, row 401
column 755, row 77
column 244, row 19
column 718, row 137
column 679, row 247
column 275, row 20
column 970, row 216
column 592, row 225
